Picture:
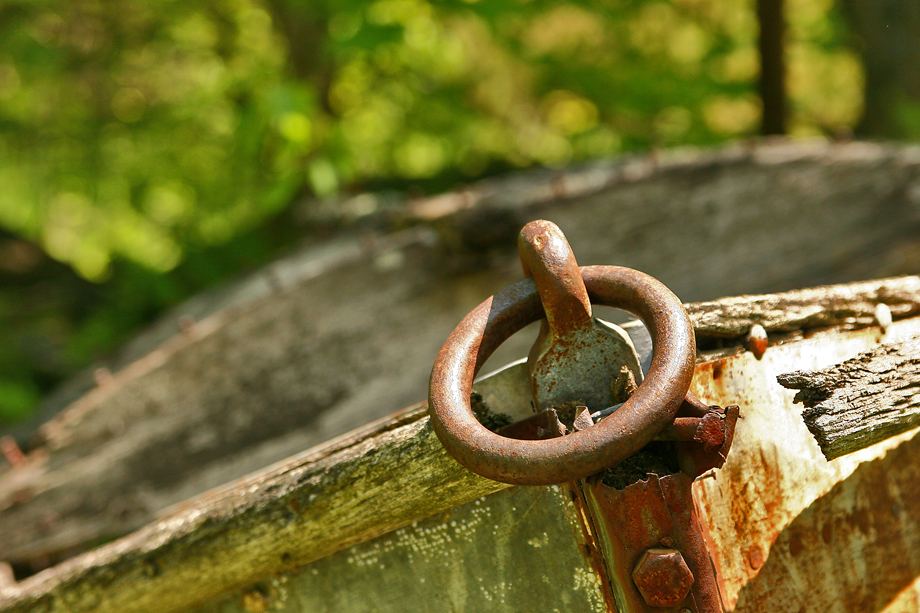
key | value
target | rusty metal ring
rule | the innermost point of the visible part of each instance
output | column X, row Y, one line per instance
column 580, row 454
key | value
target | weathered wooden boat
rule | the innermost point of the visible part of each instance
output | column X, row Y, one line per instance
column 753, row 512
column 344, row 330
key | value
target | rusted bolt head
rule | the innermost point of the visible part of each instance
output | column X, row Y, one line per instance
column 663, row 578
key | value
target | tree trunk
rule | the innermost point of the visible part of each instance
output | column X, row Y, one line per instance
column 772, row 66
column 888, row 33
column 305, row 25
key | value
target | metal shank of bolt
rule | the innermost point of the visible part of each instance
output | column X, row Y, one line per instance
column 654, row 545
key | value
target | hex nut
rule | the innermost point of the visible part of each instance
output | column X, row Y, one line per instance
column 663, row 577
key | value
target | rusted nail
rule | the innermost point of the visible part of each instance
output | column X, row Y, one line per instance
column 883, row 316
column 663, row 577
column 690, row 407
column 757, row 340
column 11, row 451
column 755, row 557
column 682, row 429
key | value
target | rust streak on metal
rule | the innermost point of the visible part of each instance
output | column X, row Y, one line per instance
column 645, row 516
column 694, row 429
column 661, row 512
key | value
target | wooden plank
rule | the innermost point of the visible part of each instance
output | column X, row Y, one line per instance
column 862, row 401
column 346, row 491
column 304, row 510
column 515, row 550
column 852, row 305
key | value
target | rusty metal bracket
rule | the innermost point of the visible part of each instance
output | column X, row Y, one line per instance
column 647, row 412
column 654, row 548
column 653, row 543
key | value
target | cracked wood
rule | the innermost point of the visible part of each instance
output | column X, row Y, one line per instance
column 862, row 401
column 848, row 306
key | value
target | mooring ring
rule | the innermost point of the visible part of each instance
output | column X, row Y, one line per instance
column 580, row 454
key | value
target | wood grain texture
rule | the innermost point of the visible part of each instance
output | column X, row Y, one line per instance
column 861, row 401
column 343, row 332
column 850, row 306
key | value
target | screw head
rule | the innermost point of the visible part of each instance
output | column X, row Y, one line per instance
column 663, row 577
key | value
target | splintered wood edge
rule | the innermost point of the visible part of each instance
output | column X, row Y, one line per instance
column 357, row 487
column 862, row 401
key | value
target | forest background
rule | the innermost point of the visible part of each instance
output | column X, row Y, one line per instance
column 150, row 150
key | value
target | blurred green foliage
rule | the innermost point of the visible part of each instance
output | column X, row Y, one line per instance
column 148, row 145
